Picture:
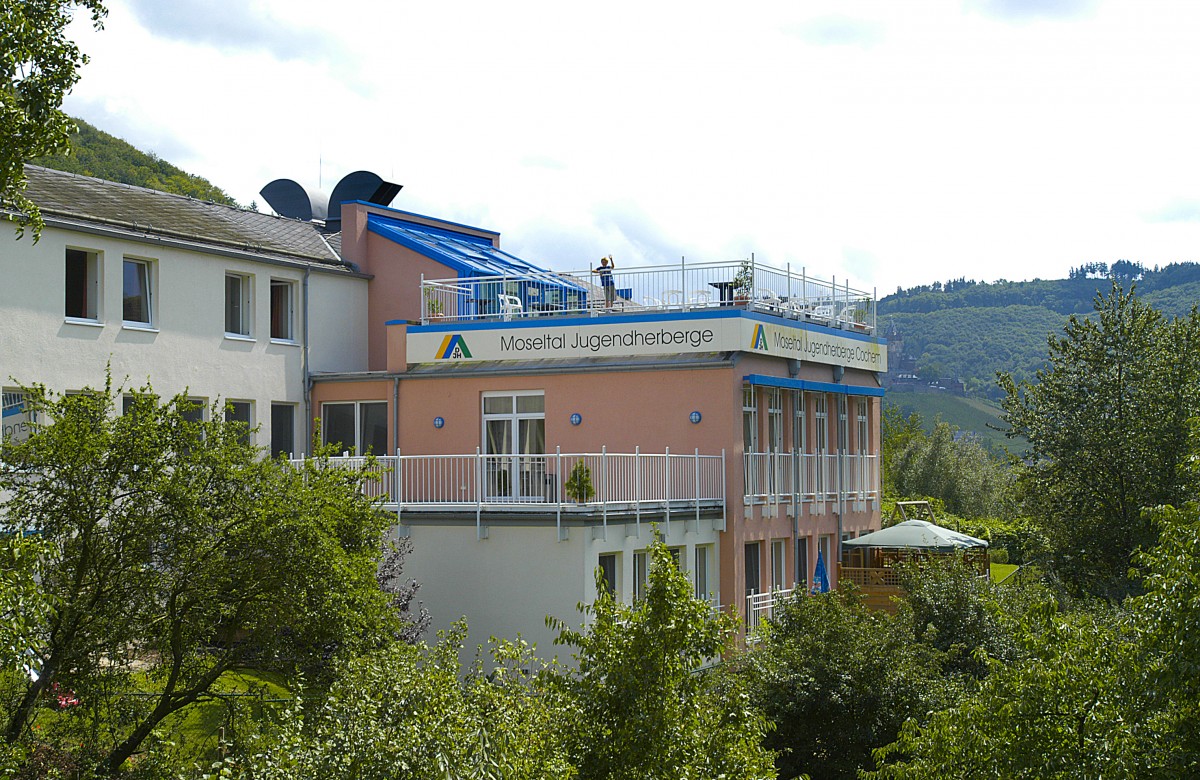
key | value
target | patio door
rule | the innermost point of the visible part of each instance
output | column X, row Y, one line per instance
column 514, row 446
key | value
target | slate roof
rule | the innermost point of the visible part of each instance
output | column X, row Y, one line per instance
column 67, row 198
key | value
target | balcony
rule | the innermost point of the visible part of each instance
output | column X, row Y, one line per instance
column 761, row 607
column 784, row 477
column 626, row 487
column 784, row 292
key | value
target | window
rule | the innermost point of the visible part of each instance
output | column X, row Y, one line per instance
column 639, row 575
column 749, row 420
column 136, row 304
column 775, row 419
column 514, row 441
column 608, row 573
column 283, row 430
column 82, row 285
column 282, row 308
column 237, row 305
column 821, row 424
column 863, row 442
column 799, row 424
column 240, row 412
column 194, row 412
column 826, row 552
column 356, row 427
column 701, row 573
column 778, row 564
column 753, row 574
column 17, row 419
column 803, row 567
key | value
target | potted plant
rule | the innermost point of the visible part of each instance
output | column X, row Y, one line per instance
column 743, row 282
column 433, row 305
column 579, row 484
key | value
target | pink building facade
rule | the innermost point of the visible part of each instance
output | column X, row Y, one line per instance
column 732, row 409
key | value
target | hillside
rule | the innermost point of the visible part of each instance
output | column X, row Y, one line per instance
column 96, row 153
column 971, row 415
column 969, row 330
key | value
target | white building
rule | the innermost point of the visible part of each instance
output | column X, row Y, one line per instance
column 223, row 303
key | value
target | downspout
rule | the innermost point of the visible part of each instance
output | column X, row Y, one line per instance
column 304, row 359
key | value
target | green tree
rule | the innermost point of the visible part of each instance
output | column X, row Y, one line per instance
column 836, row 680
column 177, row 549
column 412, row 712
column 959, row 471
column 897, row 431
column 38, row 67
column 1106, row 426
column 637, row 706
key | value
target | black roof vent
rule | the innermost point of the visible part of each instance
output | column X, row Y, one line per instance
column 289, row 199
column 360, row 185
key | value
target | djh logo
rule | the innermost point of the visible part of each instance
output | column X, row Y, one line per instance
column 454, row 347
column 760, row 338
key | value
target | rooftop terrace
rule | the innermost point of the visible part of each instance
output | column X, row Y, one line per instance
column 750, row 285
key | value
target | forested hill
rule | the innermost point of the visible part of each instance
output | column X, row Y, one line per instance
column 970, row 330
column 96, row 153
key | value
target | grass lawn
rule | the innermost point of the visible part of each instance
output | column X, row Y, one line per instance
column 1002, row 570
column 197, row 730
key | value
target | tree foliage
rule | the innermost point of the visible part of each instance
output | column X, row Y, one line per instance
column 1106, row 426
column 95, row 153
column 413, row 712
column 955, row 469
column 837, row 680
column 177, row 552
column 636, row 706
column 38, row 67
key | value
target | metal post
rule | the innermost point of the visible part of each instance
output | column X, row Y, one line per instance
column 479, row 489
column 668, row 515
column 697, row 457
column 558, row 490
column 724, row 497
column 683, row 282
column 604, row 487
column 637, row 481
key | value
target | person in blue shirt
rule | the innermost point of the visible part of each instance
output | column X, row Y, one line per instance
column 606, row 280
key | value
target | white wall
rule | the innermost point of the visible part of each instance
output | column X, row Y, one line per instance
column 509, row 582
column 187, row 347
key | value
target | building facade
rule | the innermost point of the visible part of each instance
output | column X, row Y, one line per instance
column 536, row 427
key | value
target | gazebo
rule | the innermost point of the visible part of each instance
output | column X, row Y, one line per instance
column 870, row 560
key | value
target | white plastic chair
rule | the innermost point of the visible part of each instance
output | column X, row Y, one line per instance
column 510, row 305
column 650, row 302
column 700, row 297
column 673, row 297
column 823, row 312
column 767, row 298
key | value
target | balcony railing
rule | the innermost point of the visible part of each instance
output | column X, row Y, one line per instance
column 621, row 482
column 762, row 606
column 785, row 292
column 775, row 477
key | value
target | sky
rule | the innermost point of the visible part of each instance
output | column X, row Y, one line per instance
column 882, row 143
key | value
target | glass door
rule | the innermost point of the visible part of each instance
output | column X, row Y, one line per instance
column 514, row 446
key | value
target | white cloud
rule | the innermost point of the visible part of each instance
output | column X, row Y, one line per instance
column 891, row 143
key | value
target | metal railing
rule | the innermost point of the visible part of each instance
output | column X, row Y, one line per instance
column 775, row 477
column 761, row 606
column 786, row 292
column 544, row 481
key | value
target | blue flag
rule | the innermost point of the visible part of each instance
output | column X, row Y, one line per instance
column 821, row 575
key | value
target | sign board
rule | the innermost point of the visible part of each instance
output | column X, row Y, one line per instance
column 15, row 417
column 611, row 337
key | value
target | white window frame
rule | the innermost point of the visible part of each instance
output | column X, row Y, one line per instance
column 92, row 284
column 614, row 585
column 703, row 560
column 749, row 419
column 641, row 574
column 239, row 306
column 863, row 431
column 357, row 445
column 146, row 293
column 778, row 564
column 240, row 403
column 775, row 420
column 288, row 287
